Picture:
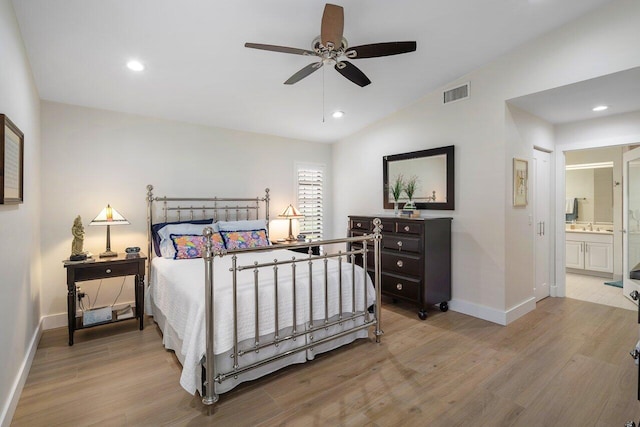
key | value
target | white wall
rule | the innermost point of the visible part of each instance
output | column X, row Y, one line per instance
column 523, row 132
column 94, row 157
column 598, row 43
column 19, row 224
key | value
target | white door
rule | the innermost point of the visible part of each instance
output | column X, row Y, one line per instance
column 630, row 220
column 541, row 212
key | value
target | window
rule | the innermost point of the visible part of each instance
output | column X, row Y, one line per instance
column 310, row 180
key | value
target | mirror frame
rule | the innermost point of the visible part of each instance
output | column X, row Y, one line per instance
column 448, row 152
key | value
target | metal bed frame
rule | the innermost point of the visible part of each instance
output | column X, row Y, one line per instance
column 243, row 208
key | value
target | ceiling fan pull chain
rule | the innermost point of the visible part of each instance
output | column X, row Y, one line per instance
column 322, row 94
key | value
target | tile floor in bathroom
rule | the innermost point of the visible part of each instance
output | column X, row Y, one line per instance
column 593, row 289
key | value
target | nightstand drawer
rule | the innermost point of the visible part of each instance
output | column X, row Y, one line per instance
column 402, row 287
column 403, row 264
column 103, row 271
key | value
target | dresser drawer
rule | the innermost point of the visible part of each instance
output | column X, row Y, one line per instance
column 388, row 226
column 401, row 243
column 360, row 224
column 402, row 263
column 402, row 287
column 103, row 271
column 408, row 227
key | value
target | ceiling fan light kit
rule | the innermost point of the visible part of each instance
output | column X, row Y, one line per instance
column 324, row 47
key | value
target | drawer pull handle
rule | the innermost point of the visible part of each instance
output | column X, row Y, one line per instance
column 108, row 271
column 399, row 263
column 399, row 243
column 406, row 228
column 359, row 225
column 399, row 286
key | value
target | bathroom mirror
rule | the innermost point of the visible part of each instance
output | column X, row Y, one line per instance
column 591, row 185
column 433, row 171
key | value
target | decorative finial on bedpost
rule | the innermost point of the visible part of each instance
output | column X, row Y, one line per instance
column 208, row 243
column 377, row 228
column 150, row 192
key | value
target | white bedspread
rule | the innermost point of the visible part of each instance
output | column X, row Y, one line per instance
column 178, row 290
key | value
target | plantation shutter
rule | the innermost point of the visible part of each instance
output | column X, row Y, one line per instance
column 310, row 194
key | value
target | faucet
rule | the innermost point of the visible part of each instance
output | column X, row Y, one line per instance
column 590, row 227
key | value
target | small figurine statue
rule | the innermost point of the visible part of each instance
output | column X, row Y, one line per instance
column 78, row 239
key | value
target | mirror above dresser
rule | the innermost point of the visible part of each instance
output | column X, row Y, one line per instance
column 433, row 170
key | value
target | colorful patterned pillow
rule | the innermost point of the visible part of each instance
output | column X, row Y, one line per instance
column 245, row 239
column 189, row 246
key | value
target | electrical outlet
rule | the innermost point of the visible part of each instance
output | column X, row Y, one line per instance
column 80, row 296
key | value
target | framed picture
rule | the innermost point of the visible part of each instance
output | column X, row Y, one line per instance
column 520, row 182
column 11, row 162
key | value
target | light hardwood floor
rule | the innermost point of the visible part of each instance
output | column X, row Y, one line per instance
column 566, row 363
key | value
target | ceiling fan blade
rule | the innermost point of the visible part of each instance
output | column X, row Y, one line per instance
column 381, row 49
column 332, row 26
column 353, row 73
column 282, row 49
column 304, row 73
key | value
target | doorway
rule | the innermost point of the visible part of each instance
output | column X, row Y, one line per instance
column 593, row 226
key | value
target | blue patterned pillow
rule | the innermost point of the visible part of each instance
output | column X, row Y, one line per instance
column 245, row 239
column 189, row 246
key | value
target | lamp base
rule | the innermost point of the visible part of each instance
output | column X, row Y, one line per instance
column 108, row 254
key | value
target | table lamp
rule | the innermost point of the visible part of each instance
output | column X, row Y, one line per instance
column 109, row 216
column 291, row 213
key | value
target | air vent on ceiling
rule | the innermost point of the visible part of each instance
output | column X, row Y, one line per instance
column 456, row 94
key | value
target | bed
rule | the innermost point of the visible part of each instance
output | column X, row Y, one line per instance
column 234, row 308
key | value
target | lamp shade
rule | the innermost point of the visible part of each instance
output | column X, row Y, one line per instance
column 291, row 212
column 109, row 216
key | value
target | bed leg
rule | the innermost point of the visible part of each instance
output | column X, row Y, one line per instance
column 209, row 396
column 377, row 281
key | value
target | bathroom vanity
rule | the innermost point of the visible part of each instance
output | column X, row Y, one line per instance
column 589, row 251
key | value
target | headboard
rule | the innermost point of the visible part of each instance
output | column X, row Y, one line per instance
column 168, row 209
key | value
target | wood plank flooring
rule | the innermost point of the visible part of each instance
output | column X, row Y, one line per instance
column 565, row 364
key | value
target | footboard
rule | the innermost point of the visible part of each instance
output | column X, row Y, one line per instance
column 345, row 303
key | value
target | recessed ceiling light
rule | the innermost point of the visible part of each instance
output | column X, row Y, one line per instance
column 135, row 65
column 337, row 114
column 600, row 108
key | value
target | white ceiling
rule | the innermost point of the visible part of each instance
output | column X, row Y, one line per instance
column 198, row 70
column 619, row 91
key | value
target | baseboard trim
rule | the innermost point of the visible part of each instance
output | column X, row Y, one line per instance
column 519, row 310
column 480, row 311
column 16, row 390
column 492, row 314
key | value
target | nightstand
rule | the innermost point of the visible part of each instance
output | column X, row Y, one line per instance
column 291, row 245
column 102, row 268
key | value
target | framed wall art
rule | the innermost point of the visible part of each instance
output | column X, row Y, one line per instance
column 520, row 182
column 11, row 162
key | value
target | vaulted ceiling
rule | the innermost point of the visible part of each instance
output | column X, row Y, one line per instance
column 198, row 70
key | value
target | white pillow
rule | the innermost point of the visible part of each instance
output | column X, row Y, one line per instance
column 245, row 225
column 167, row 250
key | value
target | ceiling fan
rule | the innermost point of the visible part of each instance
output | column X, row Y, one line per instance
column 332, row 48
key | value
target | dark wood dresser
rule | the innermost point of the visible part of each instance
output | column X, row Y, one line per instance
column 416, row 258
